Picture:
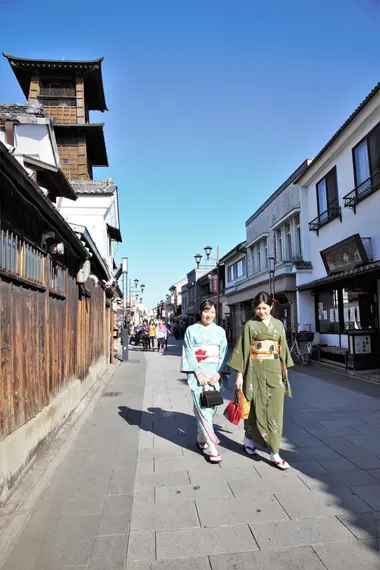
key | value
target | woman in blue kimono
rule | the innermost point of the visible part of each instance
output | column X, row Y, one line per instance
column 203, row 358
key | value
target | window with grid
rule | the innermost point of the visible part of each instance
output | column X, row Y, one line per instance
column 279, row 257
column 289, row 246
column 297, row 225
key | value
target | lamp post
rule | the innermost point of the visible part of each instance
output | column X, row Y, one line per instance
column 125, row 333
column 198, row 257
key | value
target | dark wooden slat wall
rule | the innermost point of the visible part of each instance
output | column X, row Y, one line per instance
column 46, row 339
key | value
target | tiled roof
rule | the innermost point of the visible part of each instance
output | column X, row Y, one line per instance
column 106, row 187
column 14, row 111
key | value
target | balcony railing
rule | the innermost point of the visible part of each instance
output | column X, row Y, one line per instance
column 366, row 188
column 333, row 211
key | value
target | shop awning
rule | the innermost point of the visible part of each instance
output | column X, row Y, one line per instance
column 50, row 177
column 114, row 233
column 348, row 274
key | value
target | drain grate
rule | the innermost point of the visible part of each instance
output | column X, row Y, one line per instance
column 111, row 394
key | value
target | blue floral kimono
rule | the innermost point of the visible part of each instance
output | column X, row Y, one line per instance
column 204, row 349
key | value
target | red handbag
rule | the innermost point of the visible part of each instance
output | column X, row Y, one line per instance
column 233, row 411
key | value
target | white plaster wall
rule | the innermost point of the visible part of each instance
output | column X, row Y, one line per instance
column 288, row 200
column 366, row 220
column 93, row 212
column 34, row 140
column 233, row 259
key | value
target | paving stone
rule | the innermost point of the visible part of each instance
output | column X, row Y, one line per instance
column 184, row 463
column 162, row 452
column 195, row 542
column 109, row 553
column 122, row 480
column 88, row 499
column 116, row 515
column 338, row 480
column 369, row 462
column 338, row 465
column 349, row 555
column 314, row 454
column 282, row 559
column 324, row 432
column 199, row 563
column 375, row 473
column 364, row 526
column 240, row 510
column 141, row 546
column 305, row 440
column 144, row 495
column 247, row 488
column 157, row 517
column 281, row 534
column 370, row 494
column 145, row 465
column 206, row 490
column 143, row 480
column 304, row 504
column 70, row 541
column 211, row 473
column 146, row 439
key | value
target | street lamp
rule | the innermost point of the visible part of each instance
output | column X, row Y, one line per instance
column 124, row 334
column 142, row 287
column 198, row 257
column 136, row 282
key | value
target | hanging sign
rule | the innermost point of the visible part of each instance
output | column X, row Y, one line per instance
column 344, row 255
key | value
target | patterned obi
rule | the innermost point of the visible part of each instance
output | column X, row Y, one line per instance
column 207, row 352
column 265, row 349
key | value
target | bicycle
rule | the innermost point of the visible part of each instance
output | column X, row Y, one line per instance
column 301, row 347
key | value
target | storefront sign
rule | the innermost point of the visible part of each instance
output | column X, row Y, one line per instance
column 346, row 254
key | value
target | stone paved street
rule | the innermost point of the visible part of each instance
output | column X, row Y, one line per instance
column 134, row 493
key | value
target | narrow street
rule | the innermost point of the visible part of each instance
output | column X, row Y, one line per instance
column 134, row 493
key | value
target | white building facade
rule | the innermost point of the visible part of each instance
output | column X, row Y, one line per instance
column 338, row 293
column 97, row 208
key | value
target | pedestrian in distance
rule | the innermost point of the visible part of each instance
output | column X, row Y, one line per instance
column 203, row 358
column 161, row 333
column 176, row 331
column 168, row 329
column 152, row 333
column 145, row 334
column 261, row 359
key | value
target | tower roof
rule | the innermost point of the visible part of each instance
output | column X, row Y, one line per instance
column 96, row 146
column 24, row 69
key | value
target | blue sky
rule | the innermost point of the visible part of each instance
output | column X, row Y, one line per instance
column 212, row 105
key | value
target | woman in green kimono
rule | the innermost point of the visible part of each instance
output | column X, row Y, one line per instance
column 261, row 359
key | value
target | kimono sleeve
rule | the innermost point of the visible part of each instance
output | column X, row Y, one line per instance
column 241, row 354
column 223, row 352
column 286, row 360
column 189, row 362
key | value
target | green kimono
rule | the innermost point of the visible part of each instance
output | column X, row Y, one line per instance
column 262, row 356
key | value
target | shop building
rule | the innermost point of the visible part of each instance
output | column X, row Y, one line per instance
column 337, row 295
column 269, row 258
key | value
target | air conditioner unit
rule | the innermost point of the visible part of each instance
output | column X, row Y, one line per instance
column 84, row 273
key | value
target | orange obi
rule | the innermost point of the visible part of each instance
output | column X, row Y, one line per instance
column 265, row 349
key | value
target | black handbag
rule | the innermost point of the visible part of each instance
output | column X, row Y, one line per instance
column 211, row 398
